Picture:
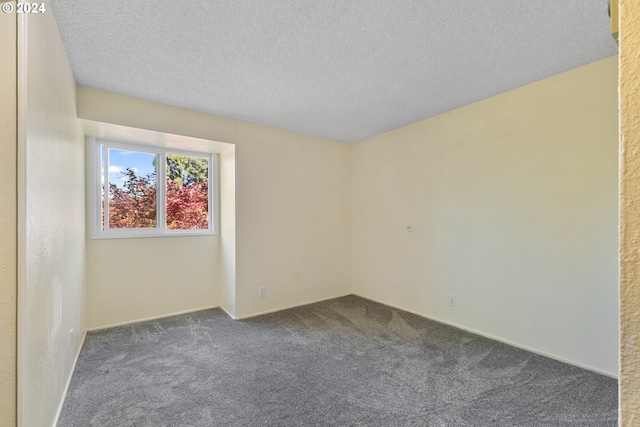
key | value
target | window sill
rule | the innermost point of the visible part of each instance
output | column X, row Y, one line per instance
column 129, row 234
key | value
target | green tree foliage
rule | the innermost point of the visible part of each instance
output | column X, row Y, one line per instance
column 187, row 170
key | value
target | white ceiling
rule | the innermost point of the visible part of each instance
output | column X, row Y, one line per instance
column 338, row 69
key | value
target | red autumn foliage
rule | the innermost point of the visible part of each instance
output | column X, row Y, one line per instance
column 134, row 204
column 187, row 206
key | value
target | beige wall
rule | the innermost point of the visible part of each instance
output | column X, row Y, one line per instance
column 141, row 278
column 51, row 223
column 293, row 219
column 629, row 214
column 133, row 279
column 8, row 213
column 512, row 207
column 292, row 224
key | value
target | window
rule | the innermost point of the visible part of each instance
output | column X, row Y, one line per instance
column 129, row 199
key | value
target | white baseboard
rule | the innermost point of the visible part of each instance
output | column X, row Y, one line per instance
column 66, row 386
column 274, row 310
column 473, row 331
column 502, row 340
column 223, row 308
column 161, row 316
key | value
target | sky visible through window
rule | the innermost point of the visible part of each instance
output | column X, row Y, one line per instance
column 120, row 160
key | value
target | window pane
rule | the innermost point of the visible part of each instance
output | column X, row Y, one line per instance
column 187, row 192
column 132, row 189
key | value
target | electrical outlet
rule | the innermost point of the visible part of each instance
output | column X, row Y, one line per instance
column 262, row 292
column 452, row 300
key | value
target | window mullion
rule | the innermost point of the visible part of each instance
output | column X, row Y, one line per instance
column 161, row 205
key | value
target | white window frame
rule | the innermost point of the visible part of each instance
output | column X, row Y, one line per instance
column 160, row 229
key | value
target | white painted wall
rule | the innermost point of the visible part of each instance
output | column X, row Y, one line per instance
column 228, row 230
column 512, row 204
column 8, row 224
column 51, row 257
column 292, row 219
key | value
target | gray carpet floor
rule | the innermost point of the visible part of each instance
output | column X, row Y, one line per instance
column 343, row 362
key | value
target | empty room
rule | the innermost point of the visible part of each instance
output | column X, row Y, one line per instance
column 389, row 213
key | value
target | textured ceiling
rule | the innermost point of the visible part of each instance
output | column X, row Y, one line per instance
column 343, row 70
